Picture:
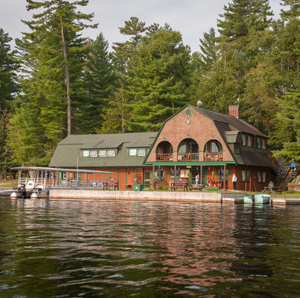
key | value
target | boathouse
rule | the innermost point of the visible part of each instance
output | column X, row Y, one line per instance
column 194, row 141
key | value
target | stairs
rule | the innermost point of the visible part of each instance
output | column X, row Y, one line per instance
column 289, row 176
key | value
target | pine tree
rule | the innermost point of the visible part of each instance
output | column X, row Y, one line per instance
column 239, row 47
column 52, row 56
column 60, row 19
column 8, row 68
column 158, row 79
column 293, row 10
column 118, row 111
column 100, row 81
column 289, row 117
column 8, row 90
column 208, row 51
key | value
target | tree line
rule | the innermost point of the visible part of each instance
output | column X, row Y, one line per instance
column 55, row 82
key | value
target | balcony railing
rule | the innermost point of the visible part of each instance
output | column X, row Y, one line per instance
column 213, row 156
column 188, row 156
column 164, row 157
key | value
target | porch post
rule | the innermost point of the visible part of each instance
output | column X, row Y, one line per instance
column 153, row 173
column 201, row 173
column 224, row 183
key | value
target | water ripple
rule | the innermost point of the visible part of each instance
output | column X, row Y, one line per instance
column 147, row 249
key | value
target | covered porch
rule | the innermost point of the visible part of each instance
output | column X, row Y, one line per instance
column 210, row 173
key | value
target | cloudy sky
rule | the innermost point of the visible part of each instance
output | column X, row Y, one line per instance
column 190, row 17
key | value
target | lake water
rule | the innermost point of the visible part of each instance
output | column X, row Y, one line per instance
column 147, row 249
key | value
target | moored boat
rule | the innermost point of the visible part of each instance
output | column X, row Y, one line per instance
column 257, row 199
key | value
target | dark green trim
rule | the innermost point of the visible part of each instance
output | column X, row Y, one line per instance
column 139, row 147
column 159, row 132
column 193, row 163
column 110, row 148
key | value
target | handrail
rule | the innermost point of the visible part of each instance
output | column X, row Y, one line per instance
column 164, row 156
column 213, row 156
column 188, row 156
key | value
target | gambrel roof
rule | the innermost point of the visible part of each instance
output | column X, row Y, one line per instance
column 69, row 151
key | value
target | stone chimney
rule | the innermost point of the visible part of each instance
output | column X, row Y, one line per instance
column 235, row 111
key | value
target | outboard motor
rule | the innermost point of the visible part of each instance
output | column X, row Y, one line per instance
column 22, row 191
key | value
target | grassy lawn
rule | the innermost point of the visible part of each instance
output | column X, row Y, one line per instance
column 8, row 184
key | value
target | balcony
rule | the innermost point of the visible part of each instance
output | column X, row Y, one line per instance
column 188, row 156
column 213, row 156
column 164, row 157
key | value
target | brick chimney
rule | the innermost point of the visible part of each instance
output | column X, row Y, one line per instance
column 235, row 111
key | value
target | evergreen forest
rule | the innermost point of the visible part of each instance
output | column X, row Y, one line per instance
column 55, row 82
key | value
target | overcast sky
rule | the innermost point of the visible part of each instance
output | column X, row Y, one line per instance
column 190, row 17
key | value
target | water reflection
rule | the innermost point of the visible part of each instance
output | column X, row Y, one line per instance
column 156, row 249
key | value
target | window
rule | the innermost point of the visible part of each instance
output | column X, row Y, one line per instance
column 220, row 173
column 258, row 142
column 137, row 151
column 246, row 175
column 184, row 173
column 261, row 143
column 247, row 140
column 182, row 148
column 132, row 152
column 214, row 147
column 141, row 152
column 93, row 153
column 85, row 153
column 171, row 173
column 261, row 177
column 237, row 148
column 102, row 153
column 244, row 141
column 111, row 153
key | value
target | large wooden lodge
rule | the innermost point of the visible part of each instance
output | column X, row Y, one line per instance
column 193, row 141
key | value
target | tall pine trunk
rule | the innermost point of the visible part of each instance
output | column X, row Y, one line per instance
column 67, row 79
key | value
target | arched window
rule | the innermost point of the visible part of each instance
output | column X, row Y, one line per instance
column 213, row 151
column 213, row 146
column 188, row 150
column 164, row 151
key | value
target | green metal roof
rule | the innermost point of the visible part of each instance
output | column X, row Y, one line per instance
column 68, row 151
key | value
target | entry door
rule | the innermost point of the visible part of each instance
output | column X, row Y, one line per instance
column 147, row 179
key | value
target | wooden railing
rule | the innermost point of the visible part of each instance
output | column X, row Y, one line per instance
column 164, row 157
column 188, row 156
column 213, row 156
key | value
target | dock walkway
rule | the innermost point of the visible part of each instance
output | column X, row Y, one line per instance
column 204, row 197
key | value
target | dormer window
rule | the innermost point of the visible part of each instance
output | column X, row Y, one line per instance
column 132, row 152
column 85, row 153
column 99, row 153
column 102, row 153
column 111, row 153
column 137, row 152
column 93, row 153
column 247, row 140
column 261, row 143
